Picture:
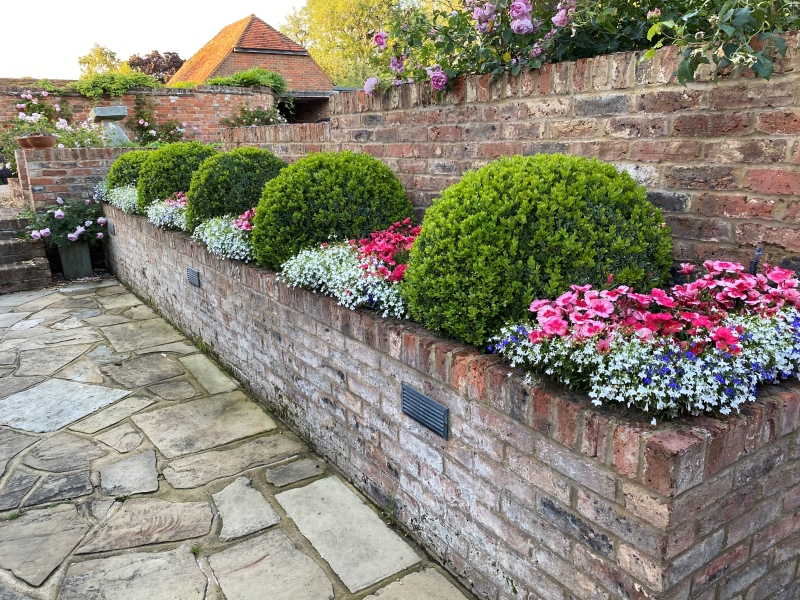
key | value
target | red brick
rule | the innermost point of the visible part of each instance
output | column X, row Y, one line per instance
column 721, row 566
column 774, row 181
column 754, row 235
column 674, row 461
column 498, row 149
column 627, row 443
column 714, row 125
column 596, row 439
column 567, row 414
column 669, row 151
column 738, row 207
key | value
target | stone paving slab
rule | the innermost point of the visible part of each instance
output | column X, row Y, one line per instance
column 294, row 472
column 60, row 487
column 35, row 544
column 140, row 372
column 203, row 424
column 206, row 372
column 46, row 361
column 134, row 475
column 113, row 415
column 119, row 301
column 423, row 585
column 170, row 575
column 143, row 521
column 244, row 510
column 194, row 471
column 7, row 594
column 63, row 452
column 11, row 444
column 123, row 439
column 356, row 543
column 269, row 566
column 12, row 385
column 22, row 297
column 176, row 390
column 16, row 488
column 140, row 334
column 55, row 403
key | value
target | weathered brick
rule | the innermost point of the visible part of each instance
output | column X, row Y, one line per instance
column 570, row 523
column 577, row 468
column 669, row 151
column 668, row 102
column 738, row 207
column 702, row 178
column 714, row 125
column 721, row 566
column 674, row 461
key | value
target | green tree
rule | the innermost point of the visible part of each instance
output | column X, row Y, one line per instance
column 338, row 34
column 101, row 60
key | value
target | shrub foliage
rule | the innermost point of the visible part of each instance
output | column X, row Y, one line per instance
column 230, row 183
column 255, row 77
column 168, row 170
column 529, row 227
column 325, row 196
column 125, row 170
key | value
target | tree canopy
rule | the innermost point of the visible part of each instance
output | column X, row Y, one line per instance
column 101, row 60
column 160, row 66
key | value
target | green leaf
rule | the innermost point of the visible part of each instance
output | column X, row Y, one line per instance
column 780, row 44
column 649, row 55
column 729, row 30
column 507, row 35
column 685, row 71
column 653, row 31
column 516, row 69
column 741, row 17
column 763, row 67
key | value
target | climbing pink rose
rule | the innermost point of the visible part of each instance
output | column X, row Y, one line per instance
column 438, row 80
column 101, row 221
column 45, row 232
column 522, row 26
column 35, row 235
column 520, row 10
column 561, row 19
column 59, row 214
column 59, row 201
column 72, row 237
column 370, row 84
column 380, row 40
column 99, row 235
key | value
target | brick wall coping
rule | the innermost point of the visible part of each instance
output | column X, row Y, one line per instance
column 160, row 91
column 670, row 457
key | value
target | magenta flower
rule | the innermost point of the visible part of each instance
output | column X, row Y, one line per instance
column 35, row 235
column 44, row 93
column 72, row 237
column 45, row 232
column 59, row 214
column 141, row 121
column 370, row 84
column 438, row 80
column 88, row 223
column 522, row 26
column 380, row 40
column 99, row 235
column 398, row 63
column 59, row 201
column 101, row 221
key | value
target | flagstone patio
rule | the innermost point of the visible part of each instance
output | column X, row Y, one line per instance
column 132, row 467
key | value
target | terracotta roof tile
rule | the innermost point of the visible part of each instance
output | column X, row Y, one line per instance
column 260, row 36
column 203, row 63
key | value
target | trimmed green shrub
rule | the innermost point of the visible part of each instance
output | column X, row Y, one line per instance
column 255, row 77
column 229, row 183
column 125, row 170
column 524, row 228
column 168, row 170
column 325, row 196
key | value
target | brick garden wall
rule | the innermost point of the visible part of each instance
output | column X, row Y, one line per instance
column 71, row 173
column 722, row 160
column 537, row 494
column 201, row 107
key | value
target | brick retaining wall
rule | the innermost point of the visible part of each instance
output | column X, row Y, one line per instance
column 723, row 161
column 537, row 494
column 202, row 107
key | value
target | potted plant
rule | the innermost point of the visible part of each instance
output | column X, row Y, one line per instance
column 72, row 226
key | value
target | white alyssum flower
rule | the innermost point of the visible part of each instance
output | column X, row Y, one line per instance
column 659, row 376
column 124, row 198
column 335, row 269
column 167, row 215
column 224, row 239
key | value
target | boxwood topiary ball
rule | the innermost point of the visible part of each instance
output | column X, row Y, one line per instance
column 125, row 170
column 529, row 227
column 168, row 170
column 325, row 196
column 229, row 183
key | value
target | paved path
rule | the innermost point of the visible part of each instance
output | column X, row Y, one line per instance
column 132, row 467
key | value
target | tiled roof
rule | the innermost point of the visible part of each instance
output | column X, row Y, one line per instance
column 250, row 33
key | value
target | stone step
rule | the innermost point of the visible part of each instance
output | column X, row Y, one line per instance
column 17, row 250
column 31, row 274
column 9, row 227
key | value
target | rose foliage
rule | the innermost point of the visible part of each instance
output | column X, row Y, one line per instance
column 702, row 346
column 364, row 273
column 68, row 221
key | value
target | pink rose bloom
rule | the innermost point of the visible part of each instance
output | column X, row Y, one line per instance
column 380, row 40
column 522, row 26
column 520, row 10
column 59, row 201
column 99, row 235
column 561, row 19
column 489, row 11
column 438, row 80
column 44, row 93
column 35, row 235
column 102, row 221
column 59, row 214
column 45, row 232
column 370, row 85
column 72, row 237
column 88, row 201
column 88, row 223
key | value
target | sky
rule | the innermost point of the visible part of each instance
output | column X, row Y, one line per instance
column 48, row 42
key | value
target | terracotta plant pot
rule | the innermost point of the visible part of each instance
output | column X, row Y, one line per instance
column 41, row 142
column 24, row 143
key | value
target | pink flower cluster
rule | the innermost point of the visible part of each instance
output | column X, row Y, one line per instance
column 380, row 39
column 484, row 13
column 390, row 247
column 521, row 21
column 564, row 12
column 177, row 200
column 681, row 313
column 245, row 220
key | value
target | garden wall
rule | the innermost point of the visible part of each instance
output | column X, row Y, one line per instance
column 722, row 160
column 201, row 107
column 536, row 494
